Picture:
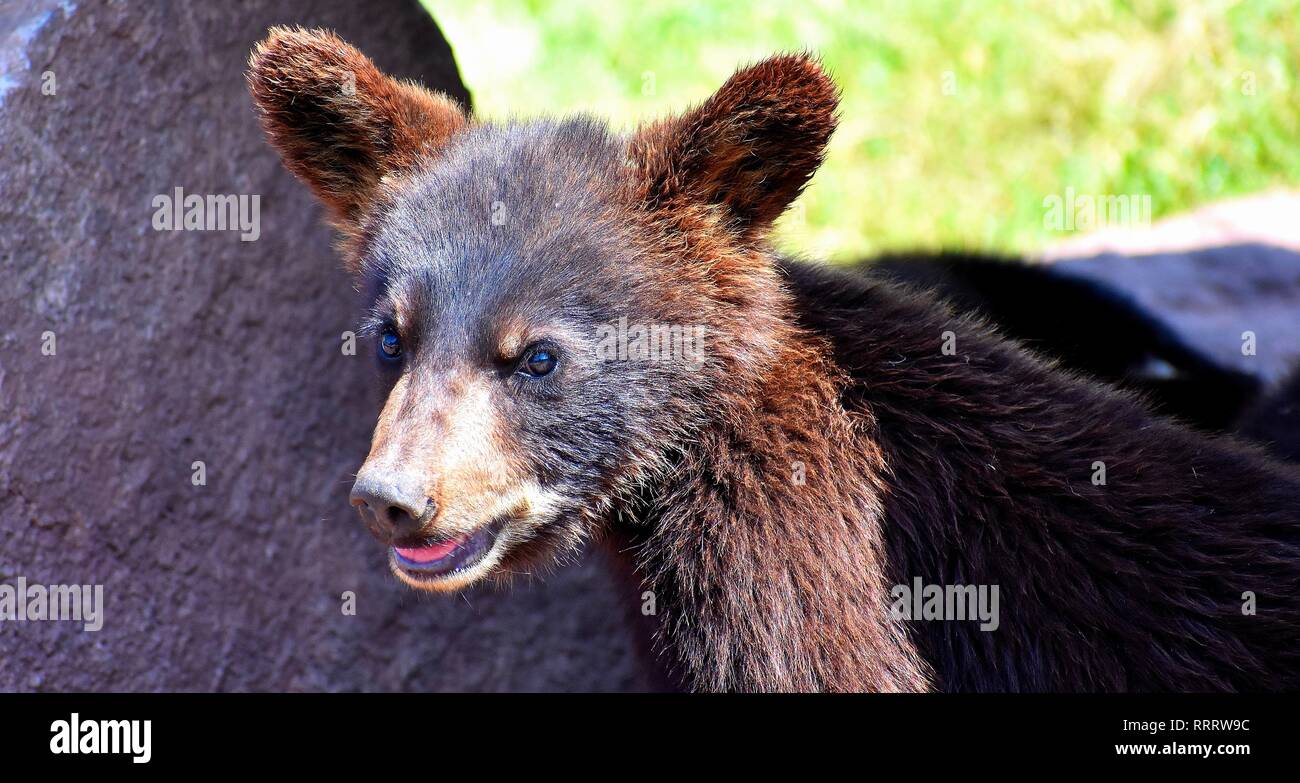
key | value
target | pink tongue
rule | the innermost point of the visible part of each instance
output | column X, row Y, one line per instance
column 428, row 554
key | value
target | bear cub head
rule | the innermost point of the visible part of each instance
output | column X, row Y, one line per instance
column 557, row 311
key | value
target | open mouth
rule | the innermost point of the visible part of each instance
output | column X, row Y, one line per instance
column 438, row 558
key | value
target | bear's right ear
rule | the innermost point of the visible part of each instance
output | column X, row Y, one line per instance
column 338, row 122
column 745, row 153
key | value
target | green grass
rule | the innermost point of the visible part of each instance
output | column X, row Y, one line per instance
column 1107, row 97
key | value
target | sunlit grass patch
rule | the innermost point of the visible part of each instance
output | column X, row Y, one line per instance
column 959, row 119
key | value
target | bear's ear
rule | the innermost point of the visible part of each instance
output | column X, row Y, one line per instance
column 749, row 149
column 339, row 123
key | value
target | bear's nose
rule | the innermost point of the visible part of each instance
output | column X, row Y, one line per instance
column 394, row 506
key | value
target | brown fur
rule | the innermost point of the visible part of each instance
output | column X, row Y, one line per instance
column 747, row 151
column 971, row 468
column 338, row 122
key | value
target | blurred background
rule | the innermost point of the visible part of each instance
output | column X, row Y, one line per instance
column 959, row 118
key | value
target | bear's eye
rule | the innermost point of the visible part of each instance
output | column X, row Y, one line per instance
column 390, row 345
column 538, row 363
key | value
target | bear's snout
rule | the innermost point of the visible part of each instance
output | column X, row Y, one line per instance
column 394, row 506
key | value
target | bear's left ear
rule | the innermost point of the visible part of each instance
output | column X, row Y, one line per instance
column 749, row 149
column 341, row 124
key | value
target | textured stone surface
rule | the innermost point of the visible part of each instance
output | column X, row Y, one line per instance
column 173, row 347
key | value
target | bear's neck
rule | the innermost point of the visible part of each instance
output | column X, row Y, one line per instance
column 764, row 550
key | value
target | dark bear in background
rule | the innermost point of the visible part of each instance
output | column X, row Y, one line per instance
column 1275, row 420
column 1086, row 325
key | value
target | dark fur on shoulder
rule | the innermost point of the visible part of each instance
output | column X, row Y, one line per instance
column 1137, row 584
column 820, row 449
